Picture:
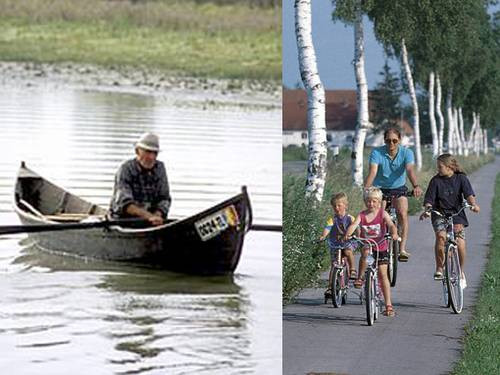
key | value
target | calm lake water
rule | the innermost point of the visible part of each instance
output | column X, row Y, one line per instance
column 62, row 315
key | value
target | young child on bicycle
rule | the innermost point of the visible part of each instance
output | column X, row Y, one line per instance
column 373, row 223
column 335, row 230
column 445, row 193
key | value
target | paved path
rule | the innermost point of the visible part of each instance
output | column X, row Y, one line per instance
column 423, row 338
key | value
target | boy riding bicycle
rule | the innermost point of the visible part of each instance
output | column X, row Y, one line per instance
column 445, row 193
column 335, row 229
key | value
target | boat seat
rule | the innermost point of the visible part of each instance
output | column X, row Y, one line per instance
column 68, row 217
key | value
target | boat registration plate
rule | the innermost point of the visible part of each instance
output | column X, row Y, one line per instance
column 211, row 226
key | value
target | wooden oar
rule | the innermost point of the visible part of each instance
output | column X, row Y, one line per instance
column 35, row 228
column 264, row 227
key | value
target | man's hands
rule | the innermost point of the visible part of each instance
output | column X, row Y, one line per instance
column 156, row 218
column 417, row 191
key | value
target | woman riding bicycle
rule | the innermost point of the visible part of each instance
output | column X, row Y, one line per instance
column 446, row 193
column 389, row 165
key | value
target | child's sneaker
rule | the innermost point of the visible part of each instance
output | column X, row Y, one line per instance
column 438, row 275
column 358, row 284
column 403, row 256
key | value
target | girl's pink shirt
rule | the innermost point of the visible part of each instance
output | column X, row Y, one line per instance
column 374, row 229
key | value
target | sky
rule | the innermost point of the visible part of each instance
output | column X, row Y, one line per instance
column 334, row 45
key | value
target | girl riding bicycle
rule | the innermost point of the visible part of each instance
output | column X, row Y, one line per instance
column 335, row 229
column 445, row 193
column 373, row 222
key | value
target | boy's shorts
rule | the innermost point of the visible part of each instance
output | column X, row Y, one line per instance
column 440, row 225
column 333, row 250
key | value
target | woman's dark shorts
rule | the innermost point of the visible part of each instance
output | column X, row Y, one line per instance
column 395, row 193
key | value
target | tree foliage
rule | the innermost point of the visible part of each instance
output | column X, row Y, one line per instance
column 386, row 99
column 458, row 40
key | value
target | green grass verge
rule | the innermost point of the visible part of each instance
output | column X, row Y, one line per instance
column 295, row 153
column 481, row 353
column 303, row 222
column 207, row 40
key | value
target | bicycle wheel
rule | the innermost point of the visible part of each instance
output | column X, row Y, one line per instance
column 376, row 292
column 369, row 298
column 446, row 294
column 345, row 284
column 453, row 279
column 392, row 268
column 337, row 288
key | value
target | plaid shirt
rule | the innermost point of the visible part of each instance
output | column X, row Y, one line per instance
column 145, row 188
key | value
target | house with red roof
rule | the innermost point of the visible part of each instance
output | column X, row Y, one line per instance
column 341, row 115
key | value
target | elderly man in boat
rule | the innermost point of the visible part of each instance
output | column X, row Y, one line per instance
column 141, row 185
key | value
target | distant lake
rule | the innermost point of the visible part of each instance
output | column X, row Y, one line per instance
column 62, row 315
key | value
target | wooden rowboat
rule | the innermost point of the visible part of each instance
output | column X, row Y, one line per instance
column 207, row 243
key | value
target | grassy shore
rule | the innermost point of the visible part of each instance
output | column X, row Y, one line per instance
column 481, row 353
column 303, row 261
column 185, row 38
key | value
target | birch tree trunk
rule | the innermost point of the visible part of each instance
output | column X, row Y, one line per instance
column 316, row 122
column 470, row 140
column 432, row 118
column 485, row 140
column 363, row 121
column 413, row 96
column 456, row 132
column 451, row 148
column 462, row 132
column 477, row 135
column 439, row 114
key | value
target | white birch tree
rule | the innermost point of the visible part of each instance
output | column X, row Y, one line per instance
column 432, row 117
column 316, row 119
column 462, row 132
column 351, row 12
column 477, row 135
column 451, row 128
column 439, row 114
column 413, row 96
column 363, row 121
column 456, row 131
column 485, row 141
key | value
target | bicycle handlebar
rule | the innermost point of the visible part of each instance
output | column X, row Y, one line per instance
column 466, row 205
column 370, row 241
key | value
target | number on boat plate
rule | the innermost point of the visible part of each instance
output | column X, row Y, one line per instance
column 214, row 224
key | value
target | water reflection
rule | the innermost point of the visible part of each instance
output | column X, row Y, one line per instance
column 122, row 277
column 146, row 314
